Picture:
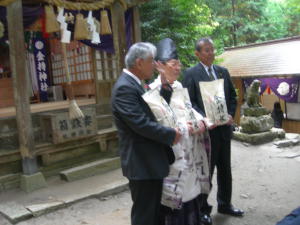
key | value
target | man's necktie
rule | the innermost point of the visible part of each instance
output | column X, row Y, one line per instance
column 210, row 74
column 144, row 86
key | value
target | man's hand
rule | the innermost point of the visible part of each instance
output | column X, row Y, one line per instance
column 230, row 120
column 202, row 127
column 190, row 128
column 164, row 71
column 209, row 124
column 177, row 136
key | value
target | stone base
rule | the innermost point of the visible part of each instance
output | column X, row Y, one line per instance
column 259, row 138
column 33, row 182
column 256, row 111
column 254, row 125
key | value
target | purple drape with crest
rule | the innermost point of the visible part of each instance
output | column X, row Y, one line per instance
column 285, row 88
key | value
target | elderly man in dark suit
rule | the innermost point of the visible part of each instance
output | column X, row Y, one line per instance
column 220, row 135
column 144, row 144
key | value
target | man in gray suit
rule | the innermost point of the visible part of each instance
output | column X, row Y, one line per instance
column 144, row 144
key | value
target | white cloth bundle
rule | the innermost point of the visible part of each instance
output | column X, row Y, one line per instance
column 189, row 174
column 214, row 102
column 174, row 183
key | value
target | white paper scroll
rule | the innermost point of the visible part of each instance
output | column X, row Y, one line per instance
column 214, row 102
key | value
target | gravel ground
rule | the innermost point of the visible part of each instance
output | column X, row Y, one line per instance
column 266, row 184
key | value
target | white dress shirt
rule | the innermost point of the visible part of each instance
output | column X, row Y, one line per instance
column 133, row 76
column 212, row 70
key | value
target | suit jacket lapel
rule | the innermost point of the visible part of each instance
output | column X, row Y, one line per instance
column 134, row 83
column 203, row 76
column 218, row 72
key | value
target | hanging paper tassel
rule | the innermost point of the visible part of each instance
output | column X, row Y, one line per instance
column 105, row 25
column 74, row 110
column 51, row 22
column 1, row 30
column 81, row 28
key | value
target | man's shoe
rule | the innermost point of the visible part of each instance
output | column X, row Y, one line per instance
column 205, row 219
column 230, row 210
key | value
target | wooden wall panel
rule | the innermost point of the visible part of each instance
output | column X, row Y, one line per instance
column 6, row 93
column 291, row 126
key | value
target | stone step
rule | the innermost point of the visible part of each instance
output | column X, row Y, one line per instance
column 104, row 121
column 17, row 205
column 286, row 143
column 90, row 169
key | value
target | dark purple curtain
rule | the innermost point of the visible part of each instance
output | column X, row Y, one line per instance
column 128, row 23
column 285, row 88
column 32, row 13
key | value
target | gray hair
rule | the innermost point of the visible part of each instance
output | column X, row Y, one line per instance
column 140, row 50
column 201, row 41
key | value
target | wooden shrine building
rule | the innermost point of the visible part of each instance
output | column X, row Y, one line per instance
column 37, row 138
column 276, row 64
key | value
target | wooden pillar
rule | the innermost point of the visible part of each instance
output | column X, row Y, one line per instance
column 21, row 86
column 119, row 33
column 137, row 34
column 96, row 79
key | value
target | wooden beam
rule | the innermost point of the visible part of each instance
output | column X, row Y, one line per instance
column 21, row 86
column 131, row 3
column 45, row 2
column 137, row 34
column 119, row 33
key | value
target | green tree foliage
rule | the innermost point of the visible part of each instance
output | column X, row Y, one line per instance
column 274, row 25
column 182, row 20
column 293, row 16
column 228, row 22
column 282, row 19
column 240, row 20
column 249, row 21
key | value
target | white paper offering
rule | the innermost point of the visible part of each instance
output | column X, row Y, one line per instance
column 95, row 38
column 66, row 37
column 60, row 17
column 214, row 102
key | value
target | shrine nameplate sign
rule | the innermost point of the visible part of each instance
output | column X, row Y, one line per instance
column 58, row 128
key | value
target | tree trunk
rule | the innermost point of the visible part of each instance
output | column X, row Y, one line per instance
column 234, row 27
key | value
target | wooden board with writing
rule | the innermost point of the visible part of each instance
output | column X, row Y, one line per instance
column 58, row 128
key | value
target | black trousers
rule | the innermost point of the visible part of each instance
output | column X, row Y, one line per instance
column 146, row 197
column 220, row 158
